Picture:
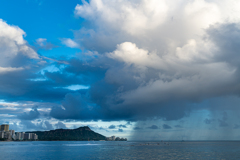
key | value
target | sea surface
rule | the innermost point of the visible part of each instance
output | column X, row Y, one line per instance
column 118, row 150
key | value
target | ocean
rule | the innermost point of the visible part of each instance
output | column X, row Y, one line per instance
column 59, row 150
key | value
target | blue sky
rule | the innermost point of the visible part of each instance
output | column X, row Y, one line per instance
column 147, row 69
column 52, row 20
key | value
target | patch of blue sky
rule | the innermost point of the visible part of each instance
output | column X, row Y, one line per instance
column 52, row 68
column 60, row 52
column 77, row 87
column 38, row 79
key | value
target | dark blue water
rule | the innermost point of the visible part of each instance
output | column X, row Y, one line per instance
column 119, row 150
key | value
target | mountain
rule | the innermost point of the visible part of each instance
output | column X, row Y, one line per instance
column 79, row 134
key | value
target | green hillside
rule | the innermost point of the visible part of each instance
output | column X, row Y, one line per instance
column 79, row 134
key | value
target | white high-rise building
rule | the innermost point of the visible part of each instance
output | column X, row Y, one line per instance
column 35, row 137
column 27, row 136
column 12, row 132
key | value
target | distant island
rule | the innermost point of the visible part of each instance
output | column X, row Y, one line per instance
column 78, row 134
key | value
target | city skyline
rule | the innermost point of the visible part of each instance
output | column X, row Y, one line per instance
column 11, row 135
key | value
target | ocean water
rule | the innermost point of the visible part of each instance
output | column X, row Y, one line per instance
column 71, row 150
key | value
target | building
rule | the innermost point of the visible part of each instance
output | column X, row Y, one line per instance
column 113, row 138
column 12, row 132
column 4, row 127
column 7, row 135
column 20, row 136
column 27, row 136
column 35, row 137
column 1, row 134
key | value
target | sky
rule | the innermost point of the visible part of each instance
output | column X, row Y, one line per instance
column 140, row 69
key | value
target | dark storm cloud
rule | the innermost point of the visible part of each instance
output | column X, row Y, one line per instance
column 33, row 114
column 101, row 128
column 128, row 123
column 120, row 130
column 165, row 126
column 112, row 127
column 108, row 83
column 122, row 126
column 226, row 37
column 137, row 128
column 178, row 126
column 28, row 90
column 153, row 127
column 111, row 83
column 236, row 126
column 208, row 121
column 75, row 106
column 91, row 71
column 223, row 122
column 129, row 85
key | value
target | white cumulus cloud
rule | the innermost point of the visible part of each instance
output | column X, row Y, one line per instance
column 69, row 43
column 13, row 46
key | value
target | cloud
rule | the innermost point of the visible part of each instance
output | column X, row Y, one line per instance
column 9, row 69
column 178, row 126
column 33, row 114
column 223, row 121
column 137, row 128
column 60, row 125
column 112, row 127
column 153, row 127
column 135, row 18
column 163, row 68
column 165, row 126
column 69, row 43
column 76, row 106
column 120, row 130
column 19, row 64
column 30, row 126
column 140, row 77
column 152, row 24
column 236, row 126
column 122, row 126
column 13, row 47
column 208, row 121
column 128, row 123
column 42, row 43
